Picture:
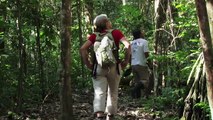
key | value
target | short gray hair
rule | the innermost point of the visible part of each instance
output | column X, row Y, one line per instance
column 100, row 19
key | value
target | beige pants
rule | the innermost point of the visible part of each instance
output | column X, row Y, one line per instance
column 106, row 86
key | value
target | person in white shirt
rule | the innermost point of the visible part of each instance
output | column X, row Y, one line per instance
column 139, row 63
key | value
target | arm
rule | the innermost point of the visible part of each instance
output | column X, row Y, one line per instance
column 84, row 53
column 127, row 52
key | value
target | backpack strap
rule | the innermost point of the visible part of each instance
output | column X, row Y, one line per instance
column 115, row 50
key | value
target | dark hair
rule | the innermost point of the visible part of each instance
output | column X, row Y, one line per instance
column 136, row 33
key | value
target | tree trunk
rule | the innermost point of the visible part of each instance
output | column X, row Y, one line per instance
column 3, row 12
column 65, row 79
column 209, row 5
column 124, row 2
column 89, row 12
column 80, row 34
column 207, row 47
column 38, row 46
column 160, row 18
column 22, row 59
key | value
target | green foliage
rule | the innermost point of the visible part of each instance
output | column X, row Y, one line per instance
column 12, row 115
column 44, row 16
column 8, row 82
column 204, row 107
column 130, row 17
column 168, row 99
column 187, row 21
column 9, row 61
column 106, row 7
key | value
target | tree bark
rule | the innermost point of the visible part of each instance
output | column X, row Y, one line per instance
column 124, row 2
column 38, row 45
column 65, row 79
column 22, row 59
column 209, row 6
column 3, row 13
column 80, row 34
column 160, row 18
column 205, row 37
column 89, row 12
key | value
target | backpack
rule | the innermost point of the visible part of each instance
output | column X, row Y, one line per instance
column 105, row 49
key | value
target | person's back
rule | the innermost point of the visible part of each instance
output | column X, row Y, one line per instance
column 139, row 46
column 139, row 55
column 105, row 79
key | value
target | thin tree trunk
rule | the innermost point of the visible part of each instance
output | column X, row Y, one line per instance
column 160, row 13
column 90, row 10
column 40, row 61
column 22, row 59
column 3, row 13
column 80, row 34
column 124, row 2
column 65, row 79
column 207, row 47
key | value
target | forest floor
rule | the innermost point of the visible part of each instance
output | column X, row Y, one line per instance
column 128, row 108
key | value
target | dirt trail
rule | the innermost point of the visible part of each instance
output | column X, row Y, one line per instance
column 128, row 109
